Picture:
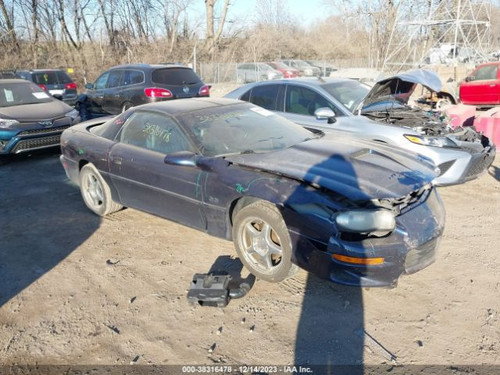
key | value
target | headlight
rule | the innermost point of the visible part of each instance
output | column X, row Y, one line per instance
column 73, row 114
column 366, row 221
column 431, row 141
column 8, row 123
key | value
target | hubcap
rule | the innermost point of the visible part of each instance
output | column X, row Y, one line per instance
column 260, row 244
column 93, row 191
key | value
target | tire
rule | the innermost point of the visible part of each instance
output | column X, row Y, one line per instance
column 95, row 192
column 262, row 242
column 126, row 106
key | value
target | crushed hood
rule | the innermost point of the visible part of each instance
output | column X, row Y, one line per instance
column 399, row 88
column 355, row 169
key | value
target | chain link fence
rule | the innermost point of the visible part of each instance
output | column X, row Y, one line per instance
column 219, row 72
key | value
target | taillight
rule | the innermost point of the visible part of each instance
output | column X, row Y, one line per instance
column 70, row 86
column 204, row 91
column 155, row 92
column 43, row 87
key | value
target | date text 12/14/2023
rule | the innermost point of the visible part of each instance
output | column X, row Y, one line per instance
column 227, row 369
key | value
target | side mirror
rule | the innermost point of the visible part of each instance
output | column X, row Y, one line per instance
column 325, row 113
column 182, row 158
column 190, row 159
column 469, row 78
column 89, row 86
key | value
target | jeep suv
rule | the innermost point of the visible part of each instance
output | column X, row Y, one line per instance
column 54, row 81
column 125, row 86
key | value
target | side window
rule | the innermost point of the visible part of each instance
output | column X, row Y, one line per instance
column 304, row 101
column 246, row 96
column 131, row 77
column 265, row 96
column 155, row 132
column 100, row 83
column 115, row 78
column 486, row 73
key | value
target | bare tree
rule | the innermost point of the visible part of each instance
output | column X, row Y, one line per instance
column 9, row 25
column 214, row 32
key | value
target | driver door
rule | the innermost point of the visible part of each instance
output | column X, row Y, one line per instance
column 142, row 178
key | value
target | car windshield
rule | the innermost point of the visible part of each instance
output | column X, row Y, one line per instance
column 242, row 129
column 20, row 93
column 348, row 93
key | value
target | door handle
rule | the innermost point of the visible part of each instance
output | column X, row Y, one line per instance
column 116, row 160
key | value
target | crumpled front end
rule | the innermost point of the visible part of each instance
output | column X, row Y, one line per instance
column 409, row 248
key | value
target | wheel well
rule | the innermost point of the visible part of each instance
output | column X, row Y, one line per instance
column 234, row 207
column 81, row 163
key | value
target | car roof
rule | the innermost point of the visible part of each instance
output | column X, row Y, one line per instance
column 179, row 106
column 311, row 81
column 39, row 70
column 488, row 63
column 148, row 66
column 14, row 80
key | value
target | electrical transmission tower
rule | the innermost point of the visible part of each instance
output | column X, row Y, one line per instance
column 452, row 32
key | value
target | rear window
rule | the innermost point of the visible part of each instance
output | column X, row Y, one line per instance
column 45, row 78
column 175, row 76
column 51, row 77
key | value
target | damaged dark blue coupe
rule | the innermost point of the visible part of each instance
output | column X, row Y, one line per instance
column 354, row 212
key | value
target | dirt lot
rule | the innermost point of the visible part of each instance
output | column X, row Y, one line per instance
column 78, row 289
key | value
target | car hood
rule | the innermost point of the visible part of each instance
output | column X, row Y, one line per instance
column 358, row 170
column 399, row 88
column 35, row 112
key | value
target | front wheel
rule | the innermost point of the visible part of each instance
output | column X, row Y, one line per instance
column 262, row 242
column 95, row 191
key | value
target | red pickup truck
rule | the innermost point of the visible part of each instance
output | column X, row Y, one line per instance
column 482, row 86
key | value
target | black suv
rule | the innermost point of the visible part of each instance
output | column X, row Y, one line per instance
column 55, row 81
column 125, row 86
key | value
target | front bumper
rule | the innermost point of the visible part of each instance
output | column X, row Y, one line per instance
column 71, row 169
column 32, row 136
column 410, row 248
column 468, row 165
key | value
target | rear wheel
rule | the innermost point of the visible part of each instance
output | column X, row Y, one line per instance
column 262, row 242
column 95, row 192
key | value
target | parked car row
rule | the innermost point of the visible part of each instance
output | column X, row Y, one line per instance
column 319, row 173
column 261, row 71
